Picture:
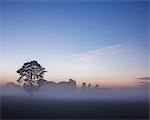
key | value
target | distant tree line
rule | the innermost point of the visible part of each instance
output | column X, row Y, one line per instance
column 31, row 79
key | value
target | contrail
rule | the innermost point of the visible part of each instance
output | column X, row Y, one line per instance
column 95, row 51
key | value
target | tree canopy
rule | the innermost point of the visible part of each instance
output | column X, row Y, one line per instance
column 30, row 73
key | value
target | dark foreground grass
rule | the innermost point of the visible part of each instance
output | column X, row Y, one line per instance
column 36, row 108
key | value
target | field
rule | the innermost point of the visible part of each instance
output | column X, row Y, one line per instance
column 38, row 108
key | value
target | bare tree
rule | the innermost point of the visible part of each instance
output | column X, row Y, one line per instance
column 30, row 73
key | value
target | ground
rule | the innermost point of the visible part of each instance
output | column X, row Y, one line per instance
column 38, row 108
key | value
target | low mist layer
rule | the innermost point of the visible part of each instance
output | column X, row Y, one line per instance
column 53, row 92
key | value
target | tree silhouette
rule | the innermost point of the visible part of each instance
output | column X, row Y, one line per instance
column 83, row 85
column 30, row 73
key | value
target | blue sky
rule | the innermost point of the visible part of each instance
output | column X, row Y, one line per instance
column 63, row 35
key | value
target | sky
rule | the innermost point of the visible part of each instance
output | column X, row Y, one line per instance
column 97, row 42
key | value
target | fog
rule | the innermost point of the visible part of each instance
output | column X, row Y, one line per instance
column 47, row 92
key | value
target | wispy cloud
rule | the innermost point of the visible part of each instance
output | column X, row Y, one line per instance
column 143, row 78
column 144, row 82
column 90, row 54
